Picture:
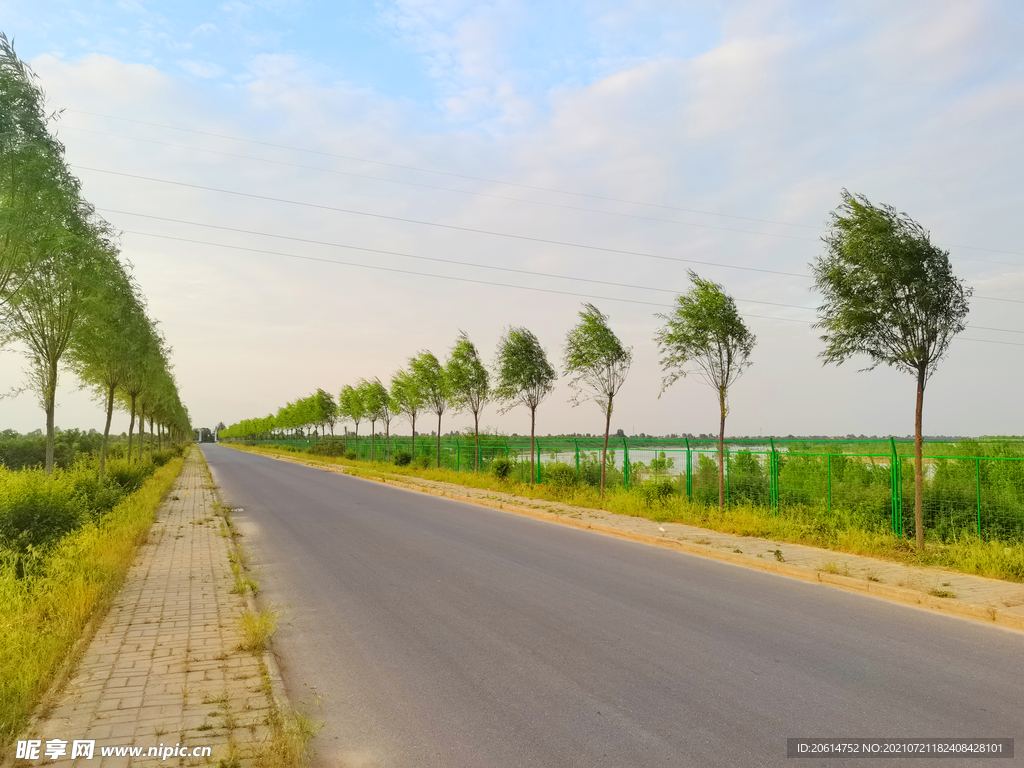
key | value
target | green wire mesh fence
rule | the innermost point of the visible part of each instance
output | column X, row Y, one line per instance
column 968, row 486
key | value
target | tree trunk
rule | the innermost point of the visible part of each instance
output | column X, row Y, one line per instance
column 106, row 430
column 357, row 439
column 50, row 405
column 413, row 449
column 476, row 440
column 533, row 452
column 373, row 437
column 438, row 440
column 721, row 453
column 604, row 452
column 919, row 465
column 142, row 430
column 131, row 430
column 387, row 441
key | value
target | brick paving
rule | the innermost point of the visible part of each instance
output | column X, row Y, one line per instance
column 164, row 665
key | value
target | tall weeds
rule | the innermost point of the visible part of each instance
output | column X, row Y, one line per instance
column 43, row 612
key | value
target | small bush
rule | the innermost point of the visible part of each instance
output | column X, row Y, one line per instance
column 328, row 447
column 560, row 477
column 350, row 455
column 501, row 468
column 257, row 628
column 129, row 477
column 656, row 493
column 403, row 459
column 37, row 511
column 425, row 461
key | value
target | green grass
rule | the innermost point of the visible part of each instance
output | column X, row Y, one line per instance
column 43, row 614
column 840, row 530
column 257, row 628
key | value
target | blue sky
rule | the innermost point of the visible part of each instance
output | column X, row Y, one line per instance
column 732, row 128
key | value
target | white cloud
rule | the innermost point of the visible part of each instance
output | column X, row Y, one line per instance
column 204, row 69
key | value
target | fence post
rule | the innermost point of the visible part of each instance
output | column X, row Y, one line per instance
column 828, row 471
column 506, row 446
column 977, row 475
column 577, row 444
column 625, row 464
column 476, row 467
column 689, row 470
column 536, row 478
column 458, row 457
column 726, row 457
column 897, row 491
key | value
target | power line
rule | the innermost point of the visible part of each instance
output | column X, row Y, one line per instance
column 465, row 229
column 420, row 222
column 476, row 282
column 499, row 197
column 425, row 258
column 497, row 181
column 458, row 191
column 456, row 262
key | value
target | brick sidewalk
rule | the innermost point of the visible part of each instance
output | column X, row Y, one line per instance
column 164, row 666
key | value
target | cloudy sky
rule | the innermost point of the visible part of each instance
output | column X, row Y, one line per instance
column 310, row 194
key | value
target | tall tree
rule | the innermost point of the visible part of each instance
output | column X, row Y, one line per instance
column 103, row 349
column 525, row 377
column 380, row 404
column 706, row 335
column 326, row 410
column 350, row 406
column 433, row 384
column 598, row 364
column 32, row 171
column 407, row 399
column 469, row 383
column 889, row 293
column 373, row 395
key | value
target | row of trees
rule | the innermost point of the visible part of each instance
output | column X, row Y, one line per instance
column 888, row 293
column 67, row 298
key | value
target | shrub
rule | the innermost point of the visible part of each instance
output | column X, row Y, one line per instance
column 37, row 511
column 657, row 492
column 129, row 477
column 425, row 461
column 328, row 447
column 560, row 476
column 402, row 459
column 350, row 455
column 501, row 468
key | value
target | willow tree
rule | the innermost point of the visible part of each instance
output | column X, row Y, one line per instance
column 888, row 293
column 104, row 347
column 469, row 385
column 31, row 168
column 407, row 399
column 706, row 335
column 525, row 377
column 432, row 380
column 379, row 407
column 598, row 365
column 351, row 406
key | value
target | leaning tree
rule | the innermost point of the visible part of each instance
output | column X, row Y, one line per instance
column 598, row 364
column 889, row 293
column 706, row 335
column 525, row 377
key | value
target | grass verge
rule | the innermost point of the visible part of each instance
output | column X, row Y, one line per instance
column 43, row 617
column 838, row 531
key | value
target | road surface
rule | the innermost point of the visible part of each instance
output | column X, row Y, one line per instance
column 437, row 633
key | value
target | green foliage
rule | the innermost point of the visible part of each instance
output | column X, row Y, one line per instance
column 501, row 468
column 525, row 377
column 707, row 334
column 402, row 459
column 351, row 405
column 595, row 359
column 887, row 291
column 37, row 511
column 560, row 476
column 656, row 492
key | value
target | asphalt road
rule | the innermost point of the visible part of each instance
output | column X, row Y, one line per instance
column 438, row 633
